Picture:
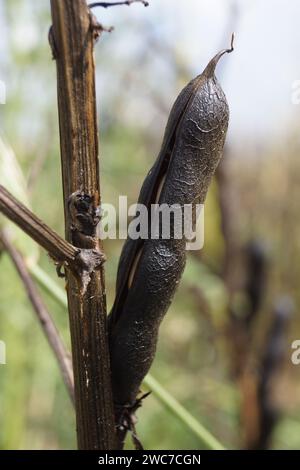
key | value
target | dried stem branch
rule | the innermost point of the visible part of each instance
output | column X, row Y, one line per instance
column 114, row 4
column 56, row 246
column 72, row 40
column 271, row 362
column 47, row 324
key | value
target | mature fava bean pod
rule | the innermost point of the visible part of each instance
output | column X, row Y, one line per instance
column 149, row 270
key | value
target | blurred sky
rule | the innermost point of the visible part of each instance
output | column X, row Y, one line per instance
column 257, row 77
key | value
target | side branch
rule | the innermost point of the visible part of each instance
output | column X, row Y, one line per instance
column 62, row 356
column 58, row 248
column 114, row 4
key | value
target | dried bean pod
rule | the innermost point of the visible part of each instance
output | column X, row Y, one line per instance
column 149, row 270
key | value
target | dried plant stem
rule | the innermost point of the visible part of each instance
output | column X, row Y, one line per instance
column 72, row 40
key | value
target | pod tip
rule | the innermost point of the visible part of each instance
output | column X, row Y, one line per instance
column 210, row 68
column 231, row 43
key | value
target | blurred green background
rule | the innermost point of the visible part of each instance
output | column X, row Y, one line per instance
column 141, row 67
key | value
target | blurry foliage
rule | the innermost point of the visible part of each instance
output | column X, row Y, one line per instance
column 192, row 358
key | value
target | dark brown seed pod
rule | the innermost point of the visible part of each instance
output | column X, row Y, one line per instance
column 149, row 270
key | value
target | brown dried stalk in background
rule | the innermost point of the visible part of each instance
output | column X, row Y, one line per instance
column 52, row 334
